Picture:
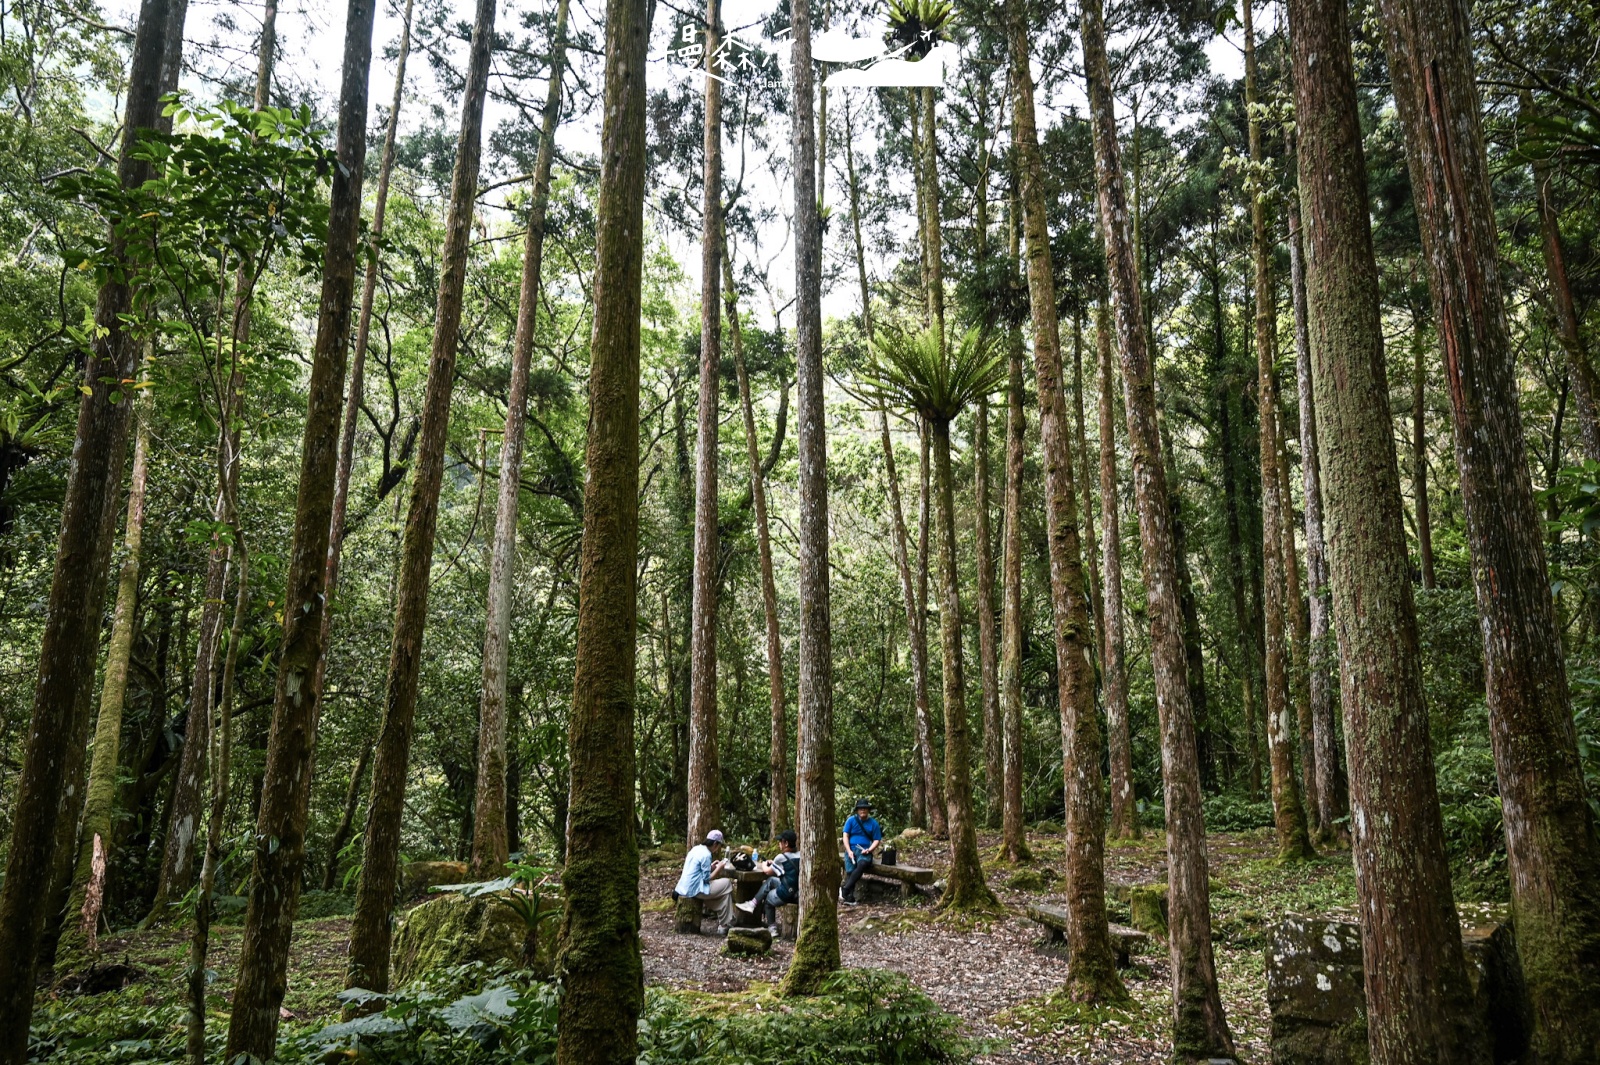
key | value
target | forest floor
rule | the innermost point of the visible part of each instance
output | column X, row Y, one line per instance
column 996, row 977
column 993, row 974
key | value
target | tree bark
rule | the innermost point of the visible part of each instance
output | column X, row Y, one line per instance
column 1287, row 813
column 279, row 858
column 965, row 885
column 932, row 777
column 1419, row 454
column 1328, row 783
column 988, row 653
column 1552, row 845
column 602, row 976
column 816, row 950
column 1199, row 1028
column 491, row 846
column 1014, row 834
column 1091, row 969
column 705, row 776
column 77, row 586
column 1416, row 984
column 100, row 795
column 1080, row 476
column 778, row 749
column 368, row 965
column 1113, row 662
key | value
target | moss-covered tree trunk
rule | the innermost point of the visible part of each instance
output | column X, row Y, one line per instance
column 1199, row 1030
column 1083, row 481
column 816, row 949
column 1014, row 834
column 1327, row 792
column 602, row 976
column 1416, row 986
column 101, row 792
column 1091, row 968
column 368, row 964
column 927, row 751
column 1552, row 845
column 279, row 853
column 1113, row 661
column 705, row 776
column 1419, row 453
column 491, row 845
column 988, row 650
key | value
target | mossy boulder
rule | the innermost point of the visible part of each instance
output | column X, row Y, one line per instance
column 453, row 929
column 747, row 942
column 416, row 878
column 1147, row 908
column 1031, row 880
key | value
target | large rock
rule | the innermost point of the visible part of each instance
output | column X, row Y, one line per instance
column 1318, row 1000
column 1147, row 908
column 1316, row 994
column 750, row 942
column 453, row 929
column 417, row 877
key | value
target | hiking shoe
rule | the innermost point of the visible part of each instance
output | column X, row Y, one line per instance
column 747, row 907
column 847, row 902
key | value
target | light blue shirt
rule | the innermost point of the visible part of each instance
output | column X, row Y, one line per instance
column 696, row 871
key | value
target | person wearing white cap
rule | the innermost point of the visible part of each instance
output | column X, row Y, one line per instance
column 700, row 868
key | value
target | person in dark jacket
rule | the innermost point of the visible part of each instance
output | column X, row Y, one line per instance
column 783, row 882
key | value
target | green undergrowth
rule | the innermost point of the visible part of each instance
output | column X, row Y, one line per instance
column 1058, row 1012
column 482, row 1015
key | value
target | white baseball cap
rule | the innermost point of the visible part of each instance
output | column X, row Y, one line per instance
column 714, row 836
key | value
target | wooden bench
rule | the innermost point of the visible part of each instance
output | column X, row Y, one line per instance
column 909, row 877
column 1054, row 920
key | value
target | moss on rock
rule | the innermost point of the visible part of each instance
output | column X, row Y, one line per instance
column 454, row 930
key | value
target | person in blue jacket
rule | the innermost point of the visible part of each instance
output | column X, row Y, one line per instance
column 783, row 882
column 863, row 843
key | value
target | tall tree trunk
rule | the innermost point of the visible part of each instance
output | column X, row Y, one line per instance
column 1091, row 970
column 1287, row 813
column 1328, row 783
column 778, row 749
column 1298, row 619
column 222, row 758
column 602, row 976
column 1113, row 661
column 368, row 965
column 1585, row 382
column 1188, row 605
column 988, row 657
column 1199, row 1028
column 1419, row 453
column 933, row 778
column 491, row 847
column 705, row 776
column 1416, row 984
column 81, row 917
column 60, row 715
column 1080, row 476
column 916, row 634
column 279, row 858
column 1014, row 834
column 1552, row 845
column 965, row 886
column 816, row 951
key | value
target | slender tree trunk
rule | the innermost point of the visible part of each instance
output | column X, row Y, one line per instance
column 368, row 965
column 358, row 360
column 602, row 976
column 816, row 951
column 705, row 776
column 77, row 587
column 274, row 891
column 1113, row 661
column 1551, row 840
column 988, row 663
column 347, row 819
column 1014, row 837
column 1091, row 969
column 222, row 757
column 1419, row 453
column 1585, row 382
column 491, row 847
column 965, row 886
column 1416, row 984
column 1288, row 815
column 1199, row 1028
column 932, row 777
column 1299, row 623
column 778, row 749
column 1080, row 476
column 100, row 797
column 1188, row 606
column 1328, row 783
